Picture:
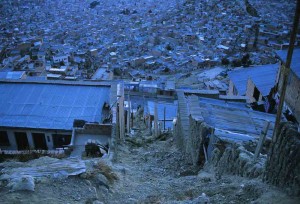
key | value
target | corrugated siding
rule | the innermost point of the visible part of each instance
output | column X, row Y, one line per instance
column 263, row 77
column 50, row 106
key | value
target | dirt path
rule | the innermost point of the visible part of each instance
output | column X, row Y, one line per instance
column 149, row 170
column 155, row 172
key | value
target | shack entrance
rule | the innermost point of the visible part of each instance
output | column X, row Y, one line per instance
column 39, row 141
column 22, row 141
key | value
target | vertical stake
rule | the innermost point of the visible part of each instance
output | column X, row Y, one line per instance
column 261, row 140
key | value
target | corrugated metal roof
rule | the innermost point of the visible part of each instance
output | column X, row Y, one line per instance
column 234, row 121
column 263, row 77
column 295, row 65
column 50, row 105
column 12, row 75
column 224, row 103
column 171, row 111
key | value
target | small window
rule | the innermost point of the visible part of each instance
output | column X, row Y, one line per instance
column 4, row 139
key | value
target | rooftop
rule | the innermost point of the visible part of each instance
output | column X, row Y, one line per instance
column 295, row 65
column 263, row 77
column 232, row 121
column 171, row 111
column 50, row 105
column 12, row 75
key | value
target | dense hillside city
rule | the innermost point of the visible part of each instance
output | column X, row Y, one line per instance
column 149, row 101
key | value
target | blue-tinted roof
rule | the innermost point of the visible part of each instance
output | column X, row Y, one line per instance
column 50, row 105
column 295, row 65
column 171, row 111
column 263, row 77
column 232, row 121
column 12, row 75
column 224, row 103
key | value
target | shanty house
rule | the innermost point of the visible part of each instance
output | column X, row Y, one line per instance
column 200, row 120
column 254, row 82
column 41, row 115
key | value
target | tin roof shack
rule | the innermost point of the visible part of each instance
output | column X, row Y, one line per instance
column 166, row 112
column 40, row 114
column 255, row 82
column 292, row 96
column 232, row 122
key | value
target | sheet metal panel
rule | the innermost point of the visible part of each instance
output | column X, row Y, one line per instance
column 50, row 106
column 263, row 77
column 295, row 64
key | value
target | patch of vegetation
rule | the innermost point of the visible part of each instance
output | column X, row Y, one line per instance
column 30, row 155
column 94, row 4
column 236, row 63
column 168, row 47
column 250, row 9
column 107, row 172
column 225, row 61
column 246, row 62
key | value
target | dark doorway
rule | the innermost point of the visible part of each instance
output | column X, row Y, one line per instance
column 4, row 141
column 256, row 94
column 39, row 141
column 22, row 141
column 60, row 141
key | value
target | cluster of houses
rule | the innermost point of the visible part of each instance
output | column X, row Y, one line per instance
column 152, row 38
column 63, row 82
column 51, row 114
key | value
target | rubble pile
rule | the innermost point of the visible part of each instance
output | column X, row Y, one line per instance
column 42, row 168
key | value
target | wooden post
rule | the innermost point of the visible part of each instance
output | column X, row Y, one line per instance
column 261, row 140
column 149, row 123
column 120, row 95
column 164, row 118
column 285, row 70
column 211, row 143
column 128, row 121
column 131, row 115
column 128, row 115
column 205, row 153
column 155, row 120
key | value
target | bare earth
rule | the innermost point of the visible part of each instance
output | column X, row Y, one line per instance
column 149, row 170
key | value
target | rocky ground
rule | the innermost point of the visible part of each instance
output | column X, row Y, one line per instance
column 154, row 171
column 146, row 169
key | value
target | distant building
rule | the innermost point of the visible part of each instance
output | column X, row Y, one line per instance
column 44, row 115
column 103, row 74
column 62, row 58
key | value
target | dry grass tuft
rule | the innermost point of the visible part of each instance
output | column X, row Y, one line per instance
column 107, row 172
